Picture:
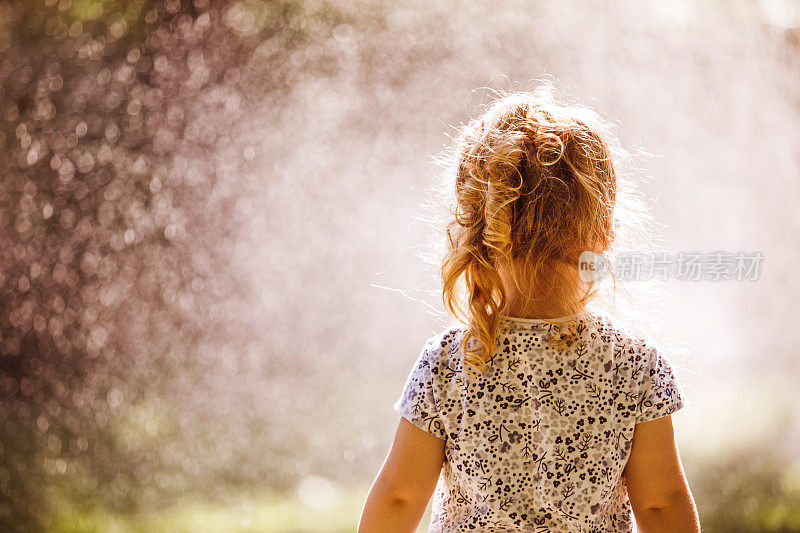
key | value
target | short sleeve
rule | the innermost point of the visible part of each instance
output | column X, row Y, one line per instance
column 417, row 403
column 660, row 393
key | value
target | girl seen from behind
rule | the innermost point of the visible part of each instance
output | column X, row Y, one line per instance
column 534, row 411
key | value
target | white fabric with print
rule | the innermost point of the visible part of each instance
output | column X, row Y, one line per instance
column 539, row 442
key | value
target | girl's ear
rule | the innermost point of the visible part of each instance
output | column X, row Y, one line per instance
column 604, row 243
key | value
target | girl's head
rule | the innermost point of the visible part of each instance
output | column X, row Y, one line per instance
column 535, row 186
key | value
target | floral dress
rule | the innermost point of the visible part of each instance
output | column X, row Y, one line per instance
column 538, row 442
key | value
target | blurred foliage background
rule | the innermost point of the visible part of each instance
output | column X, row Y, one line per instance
column 210, row 290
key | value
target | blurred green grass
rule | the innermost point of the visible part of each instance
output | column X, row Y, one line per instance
column 268, row 512
column 745, row 490
column 742, row 466
column 740, row 492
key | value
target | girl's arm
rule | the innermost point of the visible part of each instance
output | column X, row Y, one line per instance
column 400, row 494
column 659, row 493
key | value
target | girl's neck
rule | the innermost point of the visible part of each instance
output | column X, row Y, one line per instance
column 561, row 298
column 542, row 311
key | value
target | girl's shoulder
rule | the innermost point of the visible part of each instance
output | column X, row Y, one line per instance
column 443, row 343
column 614, row 330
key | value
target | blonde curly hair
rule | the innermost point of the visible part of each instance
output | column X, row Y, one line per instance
column 535, row 186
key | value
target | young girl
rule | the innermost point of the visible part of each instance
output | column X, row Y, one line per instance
column 536, row 414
